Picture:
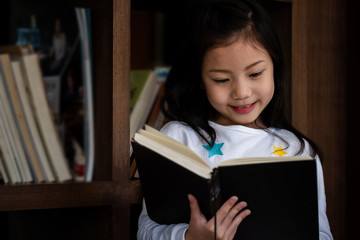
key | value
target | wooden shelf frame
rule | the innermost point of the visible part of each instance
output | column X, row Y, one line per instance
column 111, row 186
column 66, row 195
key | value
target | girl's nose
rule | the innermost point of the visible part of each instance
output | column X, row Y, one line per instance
column 241, row 89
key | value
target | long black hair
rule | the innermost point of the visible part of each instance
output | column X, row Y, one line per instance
column 221, row 23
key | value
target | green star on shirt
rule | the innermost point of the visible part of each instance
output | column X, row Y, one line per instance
column 216, row 149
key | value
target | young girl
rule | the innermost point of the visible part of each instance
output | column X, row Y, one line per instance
column 225, row 95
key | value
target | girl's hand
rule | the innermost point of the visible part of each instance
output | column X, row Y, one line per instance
column 228, row 218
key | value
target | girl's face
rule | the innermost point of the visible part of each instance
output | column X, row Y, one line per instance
column 239, row 82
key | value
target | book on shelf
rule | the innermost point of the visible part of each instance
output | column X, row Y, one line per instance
column 15, row 129
column 156, row 120
column 31, row 121
column 10, row 165
column 44, row 151
column 35, row 85
column 144, row 85
column 66, row 64
column 147, row 90
column 281, row 192
column 84, row 23
column 153, row 116
column 4, row 179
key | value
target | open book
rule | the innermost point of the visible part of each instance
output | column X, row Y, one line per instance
column 281, row 192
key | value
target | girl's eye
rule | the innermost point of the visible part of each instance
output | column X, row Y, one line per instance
column 221, row 80
column 254, row 75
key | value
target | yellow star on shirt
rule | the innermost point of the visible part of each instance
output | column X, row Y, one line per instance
column 279, row 151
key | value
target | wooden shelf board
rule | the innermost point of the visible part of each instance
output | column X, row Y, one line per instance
column 130, row 194
column 68, row 195
column 47, row 196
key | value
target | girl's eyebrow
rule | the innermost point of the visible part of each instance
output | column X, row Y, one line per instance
column 253, row 64
column 228, row 71
column 220, row 71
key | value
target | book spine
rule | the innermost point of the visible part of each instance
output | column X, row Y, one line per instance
column 215, row 191
column 83, row 18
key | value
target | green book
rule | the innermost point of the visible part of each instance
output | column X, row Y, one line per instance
column 144, row 88
column 137, row 82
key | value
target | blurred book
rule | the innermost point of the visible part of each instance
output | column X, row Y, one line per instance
column 84, row 23
column 63, row 47
column 51, row 140
column 4, row 179
column 16, row 137
column 144, row 85
column 30, row 119
column 64, row 51
column 150, row 84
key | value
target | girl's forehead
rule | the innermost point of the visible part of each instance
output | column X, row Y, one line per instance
column 240, row 55
column 239, row 49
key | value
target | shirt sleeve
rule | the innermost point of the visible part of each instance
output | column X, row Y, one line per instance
column 151, row 230
column 324, row 228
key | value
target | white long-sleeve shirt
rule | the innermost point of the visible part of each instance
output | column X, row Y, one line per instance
column 238, row 141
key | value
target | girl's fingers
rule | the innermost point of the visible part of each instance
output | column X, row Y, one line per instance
column 231, row 230
column 233, row 212
column 229, row 217
column 225, row 208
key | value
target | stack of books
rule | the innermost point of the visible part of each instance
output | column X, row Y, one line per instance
column 33, row 148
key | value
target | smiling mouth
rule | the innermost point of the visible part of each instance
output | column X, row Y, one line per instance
column 243, row 109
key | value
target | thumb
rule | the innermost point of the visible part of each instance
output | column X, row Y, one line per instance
column 194, row 207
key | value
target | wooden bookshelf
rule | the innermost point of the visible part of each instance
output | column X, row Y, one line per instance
column 313, row 33
column 110, row 195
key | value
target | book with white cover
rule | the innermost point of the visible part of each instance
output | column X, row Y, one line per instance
column 83, row 19
column 30, row 120
column 9, row 162
column 15, row 130
column 34, row 82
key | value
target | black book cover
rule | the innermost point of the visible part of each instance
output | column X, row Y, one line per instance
column 282, row 197
column 165, row 187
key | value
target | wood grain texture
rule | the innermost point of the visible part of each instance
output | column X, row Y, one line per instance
column 299, row 66
column 121, row 119
column 121, row 91
column 47, row 196
column 318, row 93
